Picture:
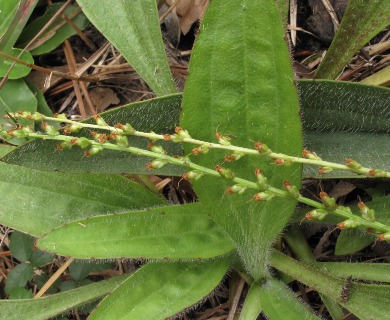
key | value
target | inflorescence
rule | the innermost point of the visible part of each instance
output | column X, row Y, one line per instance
column 116, row 138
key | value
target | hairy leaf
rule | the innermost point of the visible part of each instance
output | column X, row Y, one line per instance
column 373, row 297
column 277, row 302
column 172, row 232
column 35, row 201
column 238, row 86
column 160, row 290
column 50, row 306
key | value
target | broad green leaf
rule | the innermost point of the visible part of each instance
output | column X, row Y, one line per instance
column 373, row 297
column 278, row 302
column 50, row 306
column 238, row 86
column 21, row 246
column 351, row 241
column 56, row 34
column 35, row 201
column 160, row 115
column 160, row 290
column 172, row 232
column 18, row 70
column 379, row 272
column 380, row 78
column 133, row 27
column 18, row 277
column 252, row 305
column 345, row 120
column 361, row 22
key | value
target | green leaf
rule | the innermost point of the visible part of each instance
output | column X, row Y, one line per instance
column 380, row 78
column 35, row 202
column 361, row 22
column 18, row 70
column 351, row 241
column 373, row 297
column 50, row 306
column 133, row 27
column 363, row 271
column 160, row 290
column 40, row 258
column 5, row 148
column 18, row 277
column 277, row 302
column 21, row 246
column 79, row 270
column 239, row 86
column 172, row 232
column 252, row 305
column 16, row 15
column 7, row 12
column 15, row 96
column 345, row 120
column 160, row 115
column 53, row 36
column 20, row 293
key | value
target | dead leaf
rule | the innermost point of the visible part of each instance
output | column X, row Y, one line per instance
column 102, row 98
column 189, row 11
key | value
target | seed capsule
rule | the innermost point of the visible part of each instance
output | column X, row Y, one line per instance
column 224, row 140
column 324, row 170
column 236, row 189
column 367, row 213
column 263, row 196
column 192, row 175
column 348, row 224
column 226, row 173
column 329, row 202
column 316, row 214
column 94, row 149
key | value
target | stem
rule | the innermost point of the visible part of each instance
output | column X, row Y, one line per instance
column 247, row 151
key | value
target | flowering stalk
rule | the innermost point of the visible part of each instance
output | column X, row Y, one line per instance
column 224, row 143
column 264, row 192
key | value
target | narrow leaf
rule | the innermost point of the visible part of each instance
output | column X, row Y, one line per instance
column 160, row 290
column 50, row 306
column 277, row 302
column 380, row 78
column 56, row 34
column 16, row 14
column 363, row 271
column 133, row 27
column 252, row 305
column 172, row 232
column 361, row 22
column 35, row 202
column 238, row 86
column 373, row 297
column 160, row 115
